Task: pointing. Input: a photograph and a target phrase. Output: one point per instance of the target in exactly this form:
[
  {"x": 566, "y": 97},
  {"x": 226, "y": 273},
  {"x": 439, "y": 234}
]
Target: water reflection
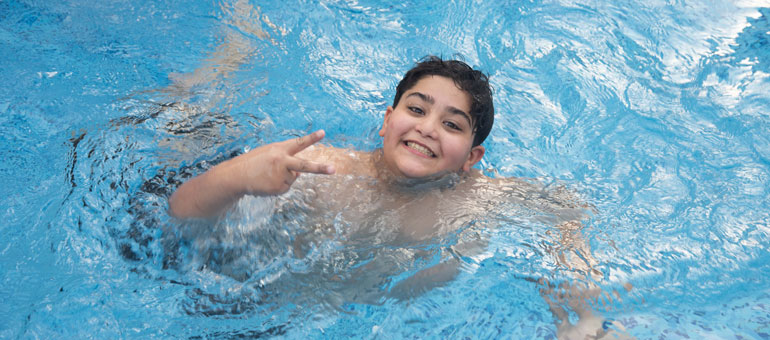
[{"x": 648, "y": 145}]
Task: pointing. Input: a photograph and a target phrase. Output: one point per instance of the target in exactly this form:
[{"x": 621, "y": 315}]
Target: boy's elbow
[
  {"x": 173, "y": 207},
  {"x": 177, "y": 208}
]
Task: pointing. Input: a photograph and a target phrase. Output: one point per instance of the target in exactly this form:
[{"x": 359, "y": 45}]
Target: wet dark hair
[{"x": 475, "y": 83}]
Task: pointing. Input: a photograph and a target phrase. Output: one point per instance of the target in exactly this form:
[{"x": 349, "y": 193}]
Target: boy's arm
[
  {"x": 426, "y": 279},
  {"x": 268, "y": 170},
  {"x": 575, "y": 254},
  {"x": 572, "y": 252}
]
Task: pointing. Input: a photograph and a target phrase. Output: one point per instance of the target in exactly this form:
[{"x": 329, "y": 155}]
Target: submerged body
[
  {"x": 370, "y": 237},
  {"x": 362, "y": 226}
]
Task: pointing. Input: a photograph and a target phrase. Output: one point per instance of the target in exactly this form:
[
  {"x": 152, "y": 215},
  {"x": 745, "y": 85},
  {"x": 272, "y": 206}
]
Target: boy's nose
[{"x": 427, "y": 128}]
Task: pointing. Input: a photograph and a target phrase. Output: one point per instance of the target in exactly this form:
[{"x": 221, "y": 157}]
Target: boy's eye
[
  {"x": 416, "y": 110},
  {"x": 452, "y": 126}
]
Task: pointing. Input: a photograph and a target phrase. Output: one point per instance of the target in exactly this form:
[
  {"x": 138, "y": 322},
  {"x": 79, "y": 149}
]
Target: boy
[{"x": 432, "y": 136}]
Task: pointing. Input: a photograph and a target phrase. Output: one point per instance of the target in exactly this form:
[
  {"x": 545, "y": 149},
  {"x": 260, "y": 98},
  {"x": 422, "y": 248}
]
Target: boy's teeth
[{"x": 420, "y": 148}]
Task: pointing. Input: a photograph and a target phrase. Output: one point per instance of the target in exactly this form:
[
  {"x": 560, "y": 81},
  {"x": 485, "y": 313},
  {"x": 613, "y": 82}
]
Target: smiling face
[{"x": 430, "y": 132}]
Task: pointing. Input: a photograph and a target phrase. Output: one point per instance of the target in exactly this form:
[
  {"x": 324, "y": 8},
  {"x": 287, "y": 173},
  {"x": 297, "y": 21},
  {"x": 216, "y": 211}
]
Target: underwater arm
[
  {"x": 574, "y": 253},
  {"x": 265, "y": 171},
  {"x": 571, "y": 251},
  {"x": 443, "y": 272},
  {"x": 426, "y": 279}
]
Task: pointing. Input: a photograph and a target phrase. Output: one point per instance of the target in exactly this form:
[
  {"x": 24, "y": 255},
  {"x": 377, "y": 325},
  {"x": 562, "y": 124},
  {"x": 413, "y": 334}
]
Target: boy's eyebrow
[{"x": 452, "y": 109}]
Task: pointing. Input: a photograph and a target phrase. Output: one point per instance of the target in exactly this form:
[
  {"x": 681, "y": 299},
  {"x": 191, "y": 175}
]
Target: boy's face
[{"x": 430, "y": 131}]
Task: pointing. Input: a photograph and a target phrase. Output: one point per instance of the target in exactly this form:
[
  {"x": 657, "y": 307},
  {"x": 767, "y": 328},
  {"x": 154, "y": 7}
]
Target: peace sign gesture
[
  {"x": 267, "y": 170},
  {"x": 272, "y": 169}
]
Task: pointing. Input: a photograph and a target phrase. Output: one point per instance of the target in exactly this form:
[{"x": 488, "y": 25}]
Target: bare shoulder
[
  {"x": 547, "y": 196},
  {"x": 345, "y": 161},
  {"x": 477, "y": 179}
]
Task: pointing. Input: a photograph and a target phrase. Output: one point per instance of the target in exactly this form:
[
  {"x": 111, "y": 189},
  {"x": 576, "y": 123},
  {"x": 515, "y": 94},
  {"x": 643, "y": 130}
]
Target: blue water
[{"x": 655, "y": 112}]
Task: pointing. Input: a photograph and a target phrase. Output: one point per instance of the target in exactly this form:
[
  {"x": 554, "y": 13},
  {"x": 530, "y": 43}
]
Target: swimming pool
[{"x": 657, "y": 113}]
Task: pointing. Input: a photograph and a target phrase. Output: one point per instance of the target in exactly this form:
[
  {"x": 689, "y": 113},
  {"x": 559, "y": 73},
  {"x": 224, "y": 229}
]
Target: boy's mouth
[{"x": 420, "y": 148}]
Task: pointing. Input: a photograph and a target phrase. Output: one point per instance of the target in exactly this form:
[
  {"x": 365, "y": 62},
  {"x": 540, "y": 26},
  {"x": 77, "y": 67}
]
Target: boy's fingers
[
  {"x": 301, "y": 143},
  {"x": 301, "y": 165}
]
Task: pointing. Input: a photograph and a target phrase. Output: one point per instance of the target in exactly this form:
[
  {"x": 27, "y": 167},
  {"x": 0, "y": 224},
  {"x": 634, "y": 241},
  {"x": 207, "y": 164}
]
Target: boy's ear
[
  {"x": 474, "y": 157},
  {"x": 388, "y": 111}
]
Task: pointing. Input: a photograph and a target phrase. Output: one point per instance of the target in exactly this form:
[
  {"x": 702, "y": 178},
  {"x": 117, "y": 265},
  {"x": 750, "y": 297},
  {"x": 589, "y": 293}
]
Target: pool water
[{"x": 656, "y": 113}]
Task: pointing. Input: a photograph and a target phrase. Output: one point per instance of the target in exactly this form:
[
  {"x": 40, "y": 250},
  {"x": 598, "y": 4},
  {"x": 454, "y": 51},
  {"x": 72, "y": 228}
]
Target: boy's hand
[
  {"x": 272, "y": 169},
  {"x": 267, "y": 170}
]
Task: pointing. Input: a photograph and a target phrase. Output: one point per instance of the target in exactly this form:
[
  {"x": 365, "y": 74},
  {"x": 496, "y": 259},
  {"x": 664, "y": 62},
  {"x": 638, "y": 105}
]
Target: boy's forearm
[{"x": 205, "y": 195}]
